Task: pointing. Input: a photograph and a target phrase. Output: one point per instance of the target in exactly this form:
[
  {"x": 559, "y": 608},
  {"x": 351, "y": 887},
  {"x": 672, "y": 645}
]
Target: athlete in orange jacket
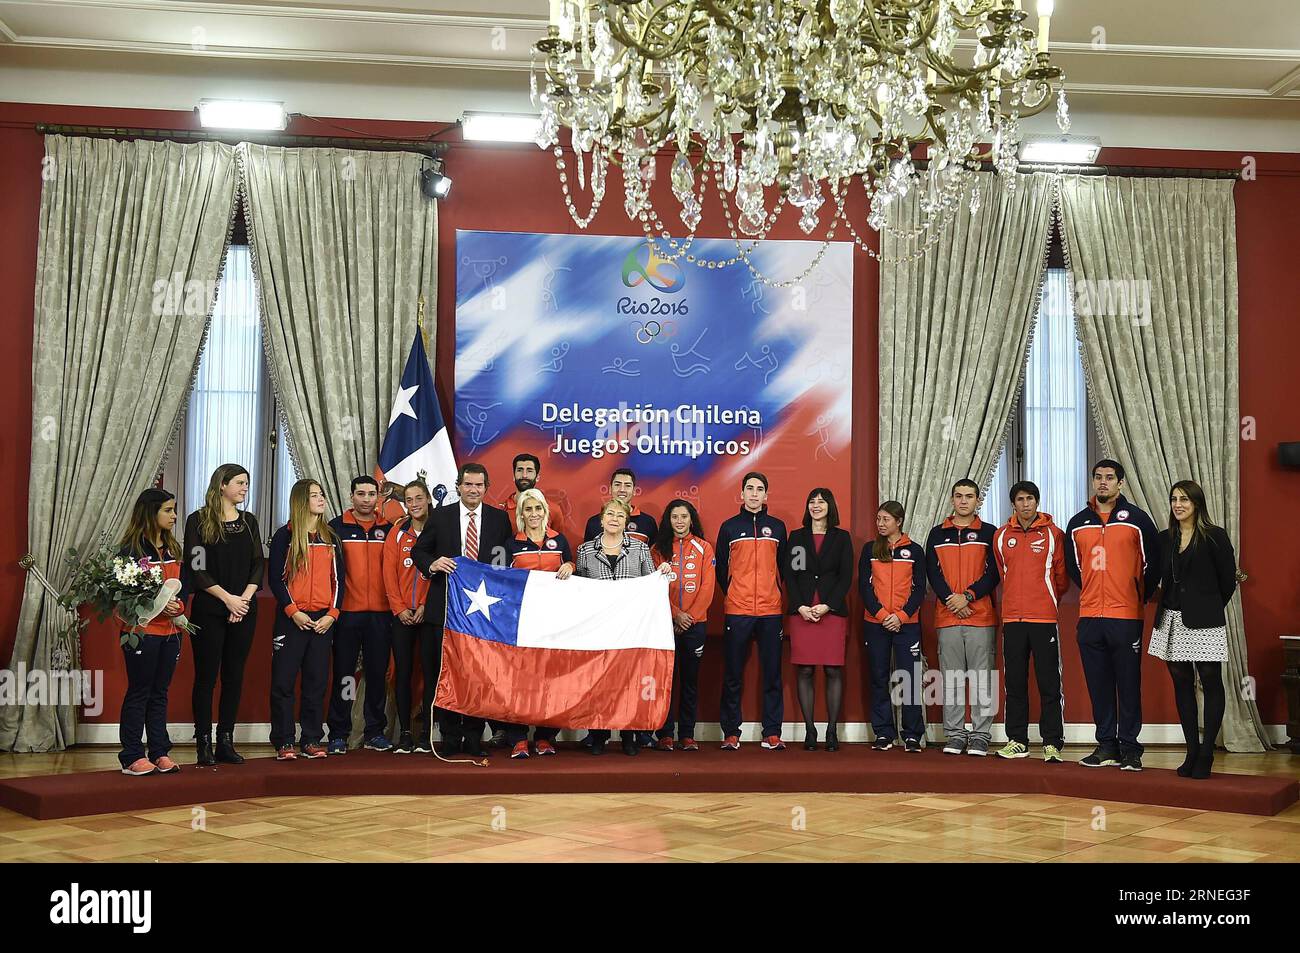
[
  {"x": 1030, "y": 551},
  {"x": 1113, "y": 557},
  {"x": 681, "y": 543},
  {"x": 749, "y": 554},
  {"x": 408, "y": 590},
  {"x": 366, "y": 626},
  {"x": 963, "y": 574}
]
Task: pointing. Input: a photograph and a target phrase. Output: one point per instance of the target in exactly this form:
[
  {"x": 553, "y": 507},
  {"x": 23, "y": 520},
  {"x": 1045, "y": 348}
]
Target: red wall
[{"x": 515, "y": 188}]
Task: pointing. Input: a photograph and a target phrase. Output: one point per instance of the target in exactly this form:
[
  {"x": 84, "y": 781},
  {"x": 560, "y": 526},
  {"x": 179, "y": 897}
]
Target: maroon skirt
[{"x": 817, "y": 643}]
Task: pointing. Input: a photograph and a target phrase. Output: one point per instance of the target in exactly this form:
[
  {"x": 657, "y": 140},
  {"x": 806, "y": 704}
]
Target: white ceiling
[{"x": 1209, "y": 74}]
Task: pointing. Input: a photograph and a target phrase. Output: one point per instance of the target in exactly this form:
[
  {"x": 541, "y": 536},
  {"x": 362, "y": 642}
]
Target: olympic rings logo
[{"x": 648, "y": 332}]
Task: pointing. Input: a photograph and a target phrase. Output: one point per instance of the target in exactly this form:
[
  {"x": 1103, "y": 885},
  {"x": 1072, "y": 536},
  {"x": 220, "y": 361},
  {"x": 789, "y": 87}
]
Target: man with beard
[
  {"x": 1113, "y": 557},
  {"x": 527, "y": 470}
]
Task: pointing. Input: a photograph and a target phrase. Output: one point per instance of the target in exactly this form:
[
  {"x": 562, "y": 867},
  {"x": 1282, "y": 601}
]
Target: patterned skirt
[{"x": 1174, "y": 642}]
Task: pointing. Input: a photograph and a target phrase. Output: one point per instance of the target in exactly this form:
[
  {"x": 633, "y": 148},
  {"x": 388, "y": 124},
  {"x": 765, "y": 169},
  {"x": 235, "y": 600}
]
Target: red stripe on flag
[{"x": 556, "y": 688}]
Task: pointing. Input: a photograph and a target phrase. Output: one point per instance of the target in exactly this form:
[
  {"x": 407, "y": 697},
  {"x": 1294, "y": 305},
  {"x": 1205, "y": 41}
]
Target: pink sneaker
[
  {"x": 140, "y": 767},
  {"x": 167, "y": 766}
]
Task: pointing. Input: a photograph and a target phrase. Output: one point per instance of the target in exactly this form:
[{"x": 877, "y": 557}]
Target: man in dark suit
[{"x": 468, "y": 528}]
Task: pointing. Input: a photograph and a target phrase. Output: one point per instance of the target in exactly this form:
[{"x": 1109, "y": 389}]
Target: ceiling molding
[
  {"x": 1194, "y": 52},
  {"x": 265, "y": 53},
  {"x": 351, "y": 14},
  {"x": 1191, "y": 92}
]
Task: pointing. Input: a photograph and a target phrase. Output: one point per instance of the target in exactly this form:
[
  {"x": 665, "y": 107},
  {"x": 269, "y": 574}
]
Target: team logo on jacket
[
  {"x": 550, "y": 544},
  {"x": 1011, "y": 543},
  {"x": 407, "y": 562},
  {"x": 767, "y": 531},
  {"x": 379, "y": 534},
  {"x": 688, "y": 586},
  {"x": 972, "y": 535},
  {"x": 690, "y": 565},
  {"x": 1122, "y": 515},
  {"x": 1037, "y": 545},
  {"x": 904, "y": 553}
]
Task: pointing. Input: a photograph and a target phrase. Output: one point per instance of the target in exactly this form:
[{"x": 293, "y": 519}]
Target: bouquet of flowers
[{"x": 111, "y": 584}]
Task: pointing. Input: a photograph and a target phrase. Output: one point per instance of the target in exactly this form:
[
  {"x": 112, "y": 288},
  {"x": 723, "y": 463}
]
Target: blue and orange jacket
[
  {"x": 749, "y": 556},
  {"x": 549, "y": 556},
  {"x": 1114, "y": 560},
  {"x": 363, "y": 552},
  {"x": 693, "y": 561},
  {"x": 960, "y": 559},
  {"x": 895, "y": 587},
  {"x": 171, "y": 569},
  {"x": 641, "y": 526},
  {"x": 1032, "y": 563},
  {"x": 404, "y": 584},
  {"x": 317, "y": 587}
]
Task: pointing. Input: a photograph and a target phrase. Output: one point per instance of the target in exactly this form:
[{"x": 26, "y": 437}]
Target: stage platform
[{"x": 853, "y": 769}]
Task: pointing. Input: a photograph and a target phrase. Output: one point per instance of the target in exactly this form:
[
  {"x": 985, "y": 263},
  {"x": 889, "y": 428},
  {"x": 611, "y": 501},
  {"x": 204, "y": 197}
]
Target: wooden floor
[{"x": 659, "y": 827}]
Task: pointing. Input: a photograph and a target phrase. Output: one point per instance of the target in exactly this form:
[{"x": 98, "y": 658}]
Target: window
[
  {"x": 232, "y": 415},
  {"x": 1051, "y": 441}
]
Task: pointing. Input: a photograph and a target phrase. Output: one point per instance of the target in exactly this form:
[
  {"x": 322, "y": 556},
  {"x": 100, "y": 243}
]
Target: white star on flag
[
  {"x": 402, "y": 405},
  {"x": 480, "y": 601}
]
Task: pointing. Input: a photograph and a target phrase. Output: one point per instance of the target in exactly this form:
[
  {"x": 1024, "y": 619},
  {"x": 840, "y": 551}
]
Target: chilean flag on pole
[
  {"x": 416, "y": 444},
  {"x": 522, "y": 646}
]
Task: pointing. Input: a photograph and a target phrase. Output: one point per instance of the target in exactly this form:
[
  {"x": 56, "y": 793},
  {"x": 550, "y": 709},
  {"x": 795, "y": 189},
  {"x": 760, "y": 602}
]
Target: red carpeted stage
[{"x": 854, "y": 769}]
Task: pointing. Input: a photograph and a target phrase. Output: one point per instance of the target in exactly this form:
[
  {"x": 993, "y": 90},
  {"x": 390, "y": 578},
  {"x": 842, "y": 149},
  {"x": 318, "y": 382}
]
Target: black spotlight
[{"x": 434, "y": 183}]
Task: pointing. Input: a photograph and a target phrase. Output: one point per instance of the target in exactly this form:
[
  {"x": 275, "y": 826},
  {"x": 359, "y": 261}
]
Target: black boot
[
  {"x": 1201, "y": 770},
  {"x": 226, "y": 752},
  {"x": 203, "y": 750},
  {"x": 832, "y": 738}
]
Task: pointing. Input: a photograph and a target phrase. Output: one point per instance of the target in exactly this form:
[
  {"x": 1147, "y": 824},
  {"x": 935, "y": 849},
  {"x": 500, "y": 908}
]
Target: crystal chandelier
[{"x": 786, "y": 102}]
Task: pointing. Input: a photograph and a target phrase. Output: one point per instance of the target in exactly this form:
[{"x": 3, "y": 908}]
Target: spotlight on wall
[
  {"x": 1065, "y": 150},
  {"x": 434, "y": 184},
  {"x": 499, "y": 127},
  {"x": 241, "y": 114}
]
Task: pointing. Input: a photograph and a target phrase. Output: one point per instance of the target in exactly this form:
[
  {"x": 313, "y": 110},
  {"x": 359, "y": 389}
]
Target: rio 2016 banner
[{"x": 597, "y": 352}]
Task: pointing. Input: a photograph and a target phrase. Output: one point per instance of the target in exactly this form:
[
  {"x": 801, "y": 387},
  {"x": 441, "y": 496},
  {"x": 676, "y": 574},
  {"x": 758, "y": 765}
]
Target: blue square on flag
[{"x": 484, "y": 601}]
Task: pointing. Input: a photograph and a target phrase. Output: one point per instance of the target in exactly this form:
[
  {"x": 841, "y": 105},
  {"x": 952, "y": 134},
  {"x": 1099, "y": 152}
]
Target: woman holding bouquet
[
  {"x": 223, "y": 566},
  {"x": 306, "y": 576},
  {"x": 150, "y": 663}
]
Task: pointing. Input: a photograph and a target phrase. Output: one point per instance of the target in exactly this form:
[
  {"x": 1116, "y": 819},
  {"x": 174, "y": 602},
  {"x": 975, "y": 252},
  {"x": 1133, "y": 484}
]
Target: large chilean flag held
[{"x": 522, "y": 646}]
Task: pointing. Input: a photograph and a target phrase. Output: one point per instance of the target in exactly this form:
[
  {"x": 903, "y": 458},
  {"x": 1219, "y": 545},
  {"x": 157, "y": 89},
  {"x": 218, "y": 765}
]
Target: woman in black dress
[
  {"x": 1198, "y": 577},
  {"x": 223, "y": 563}
]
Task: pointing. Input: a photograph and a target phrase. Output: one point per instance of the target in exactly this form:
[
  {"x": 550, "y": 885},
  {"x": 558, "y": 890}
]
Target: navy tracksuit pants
[
  {"x": 297, "y": 651},
  {"x": 1111, "y": 652},
  {"x": 905, "y": 647},
  {"x": 740, "y": 632},
  {"x": 149, "y": 670},
  {"x": 686, "y": 681},
  {"x": 371, "y": 634}
]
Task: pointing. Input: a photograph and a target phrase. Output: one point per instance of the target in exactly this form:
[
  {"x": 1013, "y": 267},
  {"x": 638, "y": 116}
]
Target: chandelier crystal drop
[{"x": 785, "y": 102}]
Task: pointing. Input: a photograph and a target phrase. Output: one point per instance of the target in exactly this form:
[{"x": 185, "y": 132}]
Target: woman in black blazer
[
  {"x": 1198, "y": 577},
  {"x": 818, "y": 569}
]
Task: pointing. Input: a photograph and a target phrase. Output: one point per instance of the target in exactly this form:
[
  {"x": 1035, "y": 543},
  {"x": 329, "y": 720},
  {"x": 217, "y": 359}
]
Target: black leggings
[
  {"x": 807, "y": 691},
  {"x": 404, "y": 638},
  {"x": 220, "y": 649},
  {"x": 1211, "y": 674}
]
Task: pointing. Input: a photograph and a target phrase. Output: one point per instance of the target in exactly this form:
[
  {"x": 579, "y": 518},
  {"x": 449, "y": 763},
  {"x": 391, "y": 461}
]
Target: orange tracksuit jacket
[
  {"x": 363, "y": 553},
  {"x": 318, "y": 586},
  {"x": 404, "y": 585},
  {"x": 1114, "y": 560},
  {"x": 960, "y": 559},
  {"x": 1032, "y": 563},
  {"x": 749, "y": 555},
  {"x": 171, "y": 569},
  {"x": 893, "y": 587},
  {"x": 693, "y": 561}
]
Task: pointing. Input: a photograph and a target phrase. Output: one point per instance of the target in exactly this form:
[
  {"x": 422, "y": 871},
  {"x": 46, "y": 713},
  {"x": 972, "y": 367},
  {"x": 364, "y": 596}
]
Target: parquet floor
[{"x": 730, "y": 828}]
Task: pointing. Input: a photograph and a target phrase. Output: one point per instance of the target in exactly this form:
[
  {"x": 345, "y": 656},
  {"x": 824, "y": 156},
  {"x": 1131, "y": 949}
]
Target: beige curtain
[
  {"x": 132, "y": 239},
  {"x": 344, "y": 243},
  {"x": 954, "y": 336},
  {"x": 1153, "y": 264}
]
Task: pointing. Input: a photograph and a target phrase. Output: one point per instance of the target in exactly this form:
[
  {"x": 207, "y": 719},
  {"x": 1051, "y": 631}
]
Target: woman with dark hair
[
  {"x": 891, "y": 581},
  {"x": 680, "y": 542},
  {"x": 818, "y": 568},
  {"x": 223, "y": 565},
  {"x": 1198, "y": 577},
  {"x": 151, "y": 663}
]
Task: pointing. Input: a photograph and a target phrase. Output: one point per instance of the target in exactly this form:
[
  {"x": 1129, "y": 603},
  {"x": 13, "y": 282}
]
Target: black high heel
[
  {"x": 810, "y": 738},
  {"x": 832, "y": 740}
]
